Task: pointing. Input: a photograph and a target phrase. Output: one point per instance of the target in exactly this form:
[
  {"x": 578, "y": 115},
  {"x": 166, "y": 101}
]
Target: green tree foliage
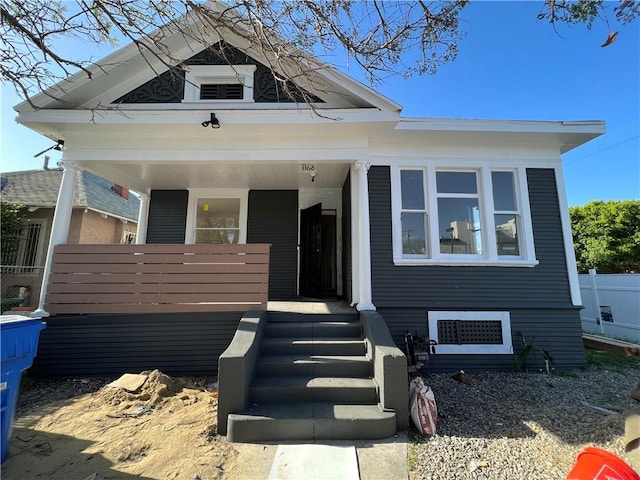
[
  {"x": 606, "y": 236},
  {"x": 12, "y": 222}
]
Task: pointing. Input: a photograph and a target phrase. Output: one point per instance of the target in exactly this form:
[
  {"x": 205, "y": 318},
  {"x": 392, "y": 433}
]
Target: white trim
[
  {"x": 143, "y": 218},
  {"x": 355, "y": 240},
  {"x": 187, "y": 114},
  {"x": 504, "y": 317},
  {"x": 477, "y": 125},
  {"x": 192, "y": 205},
  {"x": 363, "y": 247},
  {"x": 465, "y": 262},
  {"x": 60, "y": 225},
  {"x": 567, "y": 237},
  {"x": 197, "y": 75},
  {"x": 106, "y": 214}
]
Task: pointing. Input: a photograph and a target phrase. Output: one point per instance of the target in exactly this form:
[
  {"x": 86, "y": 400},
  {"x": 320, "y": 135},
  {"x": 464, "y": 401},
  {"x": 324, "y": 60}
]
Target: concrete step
[
  {"x": 314, "y": 365},
  {"x": 306, "y": 388},
  {"x": 313, "y": 346},
  {"x": 329, "y": 328},
  {"x": 288, "y": 317},
  {"x": 310, "y": 421}
]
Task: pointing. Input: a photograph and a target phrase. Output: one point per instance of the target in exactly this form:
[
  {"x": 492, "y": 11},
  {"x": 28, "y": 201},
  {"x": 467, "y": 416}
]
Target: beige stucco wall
[
  {"x": 75, "y": 226},
  {"x": 97, "y": 229}
]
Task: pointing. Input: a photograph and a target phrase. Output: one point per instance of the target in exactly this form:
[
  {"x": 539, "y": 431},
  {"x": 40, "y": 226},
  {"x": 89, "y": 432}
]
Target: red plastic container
[{"x": 596, "y": 464}]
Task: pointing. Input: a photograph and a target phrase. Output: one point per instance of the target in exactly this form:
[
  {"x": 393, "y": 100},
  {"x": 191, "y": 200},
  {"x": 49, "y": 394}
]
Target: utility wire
[{"x": 601, "y": 150}]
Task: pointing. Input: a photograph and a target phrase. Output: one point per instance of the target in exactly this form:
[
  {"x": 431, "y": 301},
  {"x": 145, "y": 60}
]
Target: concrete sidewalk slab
[
  {"x": 377, "y": 459},
  {"x": 310, "y": 461}
]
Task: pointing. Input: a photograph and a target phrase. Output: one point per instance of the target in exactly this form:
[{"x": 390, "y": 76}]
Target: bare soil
[{"x": 81, "y": 429}]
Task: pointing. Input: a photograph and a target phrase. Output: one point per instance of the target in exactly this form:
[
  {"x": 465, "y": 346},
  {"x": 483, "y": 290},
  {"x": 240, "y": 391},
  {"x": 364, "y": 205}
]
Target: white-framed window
[
  {"x": 458, "y": 211},
  {"x": 471, "y": 332},
  {"x": 413, "y": 214},
  {"x": 217, "y": 216},
  {"x": 506, "y": 213},
  {"x": 219, "y": 83},
  {"x": 461, "y": 216}
]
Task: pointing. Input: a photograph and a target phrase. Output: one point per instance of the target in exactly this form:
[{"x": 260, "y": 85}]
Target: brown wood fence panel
[{"x": 88, "y": 279}]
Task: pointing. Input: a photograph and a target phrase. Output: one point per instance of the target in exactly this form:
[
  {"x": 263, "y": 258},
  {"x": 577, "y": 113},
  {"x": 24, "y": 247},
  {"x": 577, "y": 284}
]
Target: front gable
[
  {"x": 170, "y": 86},
  {"x": 131, "y": 77}
]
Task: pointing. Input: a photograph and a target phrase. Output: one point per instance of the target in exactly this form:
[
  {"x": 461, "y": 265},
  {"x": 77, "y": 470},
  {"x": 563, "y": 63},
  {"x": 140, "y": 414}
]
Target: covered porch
[{"x": 313, "y": 216}]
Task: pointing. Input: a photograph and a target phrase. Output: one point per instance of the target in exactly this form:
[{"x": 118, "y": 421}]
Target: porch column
[
  {"x": 59, "y": 228},
  {"x": 363, "y": 245},
  {"x": 143, "y": 217}
]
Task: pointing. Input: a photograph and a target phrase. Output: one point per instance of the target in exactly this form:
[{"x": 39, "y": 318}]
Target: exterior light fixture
[
  {"x": 213, "y": 121},
  {"x": 58, "y": 147}
]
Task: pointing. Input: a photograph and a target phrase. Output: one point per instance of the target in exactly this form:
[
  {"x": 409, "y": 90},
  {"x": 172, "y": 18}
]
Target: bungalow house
[
  {"x": 453, "y": 229},
  {"x": 102, "y": 213}
]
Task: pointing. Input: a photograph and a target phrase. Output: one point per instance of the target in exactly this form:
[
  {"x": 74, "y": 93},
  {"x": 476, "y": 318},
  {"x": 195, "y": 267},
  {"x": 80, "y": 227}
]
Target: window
[
  {"x": 459, "y": 226},
  {"x": 28, "y": 256},
  {"x": 459, "y": 216},
  {"x": 216, "y": 83},
  {"x": 471, "y": 332},
  {"x": 217, "y": 216},
  {"x": 128, "y": 238},
  {"x": 414, "y": 214},
  {"x": 217, "y": 220},
  {"x": 506, "y": 213}
]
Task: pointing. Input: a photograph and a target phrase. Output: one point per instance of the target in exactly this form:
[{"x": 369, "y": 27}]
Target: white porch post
[
  {"x": 59, "y": 228},
  {"x": 143, "y": 217},
  {"x": 363, "y": 243}
]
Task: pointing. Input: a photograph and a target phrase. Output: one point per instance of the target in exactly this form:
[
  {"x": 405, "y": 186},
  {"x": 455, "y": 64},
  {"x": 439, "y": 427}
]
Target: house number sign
[{"x": 307, "y": 168}]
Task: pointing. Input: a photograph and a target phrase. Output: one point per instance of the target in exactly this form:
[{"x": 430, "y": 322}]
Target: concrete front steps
[{"x": 313, "y": 381}]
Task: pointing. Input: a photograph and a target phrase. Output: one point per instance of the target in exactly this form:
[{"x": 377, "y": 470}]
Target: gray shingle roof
[{"x": 39, "y": 188}]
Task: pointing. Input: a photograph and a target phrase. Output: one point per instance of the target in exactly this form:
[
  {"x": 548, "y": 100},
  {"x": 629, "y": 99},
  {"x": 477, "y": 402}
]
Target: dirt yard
[{"x": 70, "y": 429}]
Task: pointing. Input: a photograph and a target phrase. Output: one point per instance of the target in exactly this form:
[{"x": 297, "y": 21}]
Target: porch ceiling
[{"x": 144, "y": 176}]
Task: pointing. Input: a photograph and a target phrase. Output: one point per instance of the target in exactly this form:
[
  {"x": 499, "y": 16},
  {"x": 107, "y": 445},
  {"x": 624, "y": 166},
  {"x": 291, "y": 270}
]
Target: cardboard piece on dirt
[{"x": 131, "y": 382}]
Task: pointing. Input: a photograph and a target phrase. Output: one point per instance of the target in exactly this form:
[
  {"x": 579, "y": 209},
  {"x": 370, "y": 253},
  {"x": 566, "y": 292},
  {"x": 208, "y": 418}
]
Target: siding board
[
  {"x": 538, "y": 298},
  {"x": 184, "y": 344},
  {"x": 273, "y": 218}
]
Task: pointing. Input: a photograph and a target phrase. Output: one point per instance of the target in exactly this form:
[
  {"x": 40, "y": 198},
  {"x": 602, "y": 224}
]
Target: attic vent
[
  {"x": 465, "y": 332},
  {"x": 221, "y": 91}
]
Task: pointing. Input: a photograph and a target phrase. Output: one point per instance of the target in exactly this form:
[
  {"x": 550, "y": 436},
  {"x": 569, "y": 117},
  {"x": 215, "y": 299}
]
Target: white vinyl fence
[{"x": 611, "y": 304}]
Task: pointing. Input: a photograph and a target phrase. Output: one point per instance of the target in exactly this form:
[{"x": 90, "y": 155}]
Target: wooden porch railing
[{"x": 88, "y": 279}]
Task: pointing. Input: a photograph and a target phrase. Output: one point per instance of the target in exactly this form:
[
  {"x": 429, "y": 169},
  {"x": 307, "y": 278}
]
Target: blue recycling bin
[{"x": 18, "y": 345}]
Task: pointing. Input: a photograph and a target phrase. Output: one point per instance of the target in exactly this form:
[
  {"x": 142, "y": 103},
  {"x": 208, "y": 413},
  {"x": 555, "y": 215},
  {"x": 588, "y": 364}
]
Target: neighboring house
[
  {"x": 102, "y": 213},
  {"x": 455, "y": 229}
]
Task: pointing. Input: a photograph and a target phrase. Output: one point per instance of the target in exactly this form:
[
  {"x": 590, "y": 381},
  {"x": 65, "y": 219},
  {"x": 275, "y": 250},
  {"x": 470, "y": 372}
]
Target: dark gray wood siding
[
  {"x": 404, "y": 294},
  {"x": 346, "y": 240},
  {"x": 273, "y": 218},
  {"x": 555, "y": 330},
  {"x": 177, "y": 344},
  {"x": 167, "y": 216}
]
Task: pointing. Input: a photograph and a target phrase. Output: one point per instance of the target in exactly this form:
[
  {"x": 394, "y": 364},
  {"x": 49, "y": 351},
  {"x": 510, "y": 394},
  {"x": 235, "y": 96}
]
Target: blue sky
[{"x": 509, "y": 66}]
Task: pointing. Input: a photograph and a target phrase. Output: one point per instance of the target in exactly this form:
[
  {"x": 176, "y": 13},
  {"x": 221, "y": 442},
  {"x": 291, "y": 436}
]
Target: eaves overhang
[{"x": 567, "y": 135}]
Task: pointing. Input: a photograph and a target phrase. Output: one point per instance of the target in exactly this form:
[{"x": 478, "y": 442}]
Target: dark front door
[{"x": 310, "y": 250}]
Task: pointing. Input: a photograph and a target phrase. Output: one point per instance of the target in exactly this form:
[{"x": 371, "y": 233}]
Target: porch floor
[{"x": 304, "y": 305}]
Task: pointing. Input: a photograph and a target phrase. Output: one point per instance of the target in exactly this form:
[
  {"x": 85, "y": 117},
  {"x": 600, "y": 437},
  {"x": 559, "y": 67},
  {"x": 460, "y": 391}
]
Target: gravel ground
[{"x": 521, "y": 426}]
